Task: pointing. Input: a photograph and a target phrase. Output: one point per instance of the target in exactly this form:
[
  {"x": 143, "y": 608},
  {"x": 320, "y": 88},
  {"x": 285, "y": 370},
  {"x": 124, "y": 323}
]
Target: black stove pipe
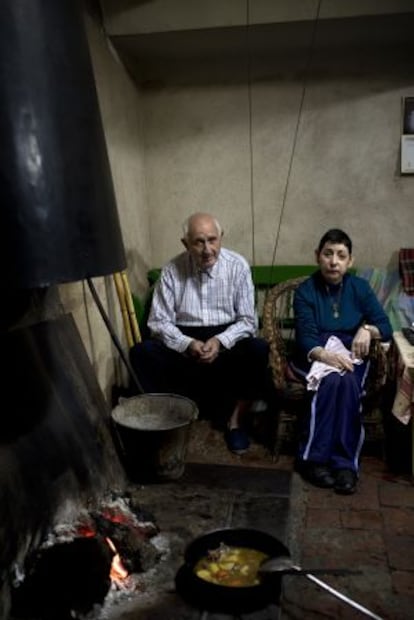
[{"x": 59, "y": 219}]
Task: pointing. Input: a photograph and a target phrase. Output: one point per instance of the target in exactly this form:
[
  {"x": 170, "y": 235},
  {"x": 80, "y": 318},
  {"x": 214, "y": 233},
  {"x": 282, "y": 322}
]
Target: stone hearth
[{"x": 207, "y": 497}]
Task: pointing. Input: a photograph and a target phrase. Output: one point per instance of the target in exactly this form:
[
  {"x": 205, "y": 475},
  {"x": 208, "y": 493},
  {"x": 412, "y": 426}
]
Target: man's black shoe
[
  {"x": 319, "y": 476},
  {"x": 345, "y": 482}
]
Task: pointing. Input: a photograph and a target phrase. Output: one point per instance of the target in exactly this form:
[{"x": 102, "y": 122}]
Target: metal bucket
[{"x": 153, "y": 432}]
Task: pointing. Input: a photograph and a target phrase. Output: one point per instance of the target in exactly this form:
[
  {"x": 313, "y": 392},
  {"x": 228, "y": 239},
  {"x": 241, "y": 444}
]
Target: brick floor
[
  {"x": 403, "y": 582},
  {"x": 371, "y": 531},
  {"x": 398, "y": 521},
  {"x": 394, "y": 494},
  {"x": 371, "y": 520},
  {"x": 321, "y": 518},
  {"x": 400, "y": 550}
]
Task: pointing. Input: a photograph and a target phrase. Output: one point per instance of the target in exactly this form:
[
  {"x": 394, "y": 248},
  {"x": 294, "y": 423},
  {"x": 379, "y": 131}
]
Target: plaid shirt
[
  {"x": 406, "y": 257},
  {"x": 184, "y": 295}
]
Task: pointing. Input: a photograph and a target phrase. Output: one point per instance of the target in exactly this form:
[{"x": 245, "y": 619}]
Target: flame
[{"x": 118, "y": 570}]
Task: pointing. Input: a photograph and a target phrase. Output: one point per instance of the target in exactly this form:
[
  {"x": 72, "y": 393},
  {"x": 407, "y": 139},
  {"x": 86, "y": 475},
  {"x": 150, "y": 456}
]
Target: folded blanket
[
  {"x": 319, "y": 370},
  {"x": 406, "y": 262},
  {"x": 404, "y": 399},
  {"x": 387, "y": 285}
]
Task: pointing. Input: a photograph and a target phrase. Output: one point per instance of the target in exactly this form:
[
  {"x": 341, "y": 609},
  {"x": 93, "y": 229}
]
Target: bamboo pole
[
  {"x": 131, "y": 308},
  {"x": 122, "y": 302},
  {"x": 114, "y": 337}
]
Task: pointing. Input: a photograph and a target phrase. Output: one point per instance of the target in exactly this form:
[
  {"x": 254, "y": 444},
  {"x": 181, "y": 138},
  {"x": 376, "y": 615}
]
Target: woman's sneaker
[{"x": 345, "y": 481}]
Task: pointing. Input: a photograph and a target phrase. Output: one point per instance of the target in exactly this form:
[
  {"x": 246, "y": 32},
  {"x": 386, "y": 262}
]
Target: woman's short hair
[{"x": 335, "y": 235}]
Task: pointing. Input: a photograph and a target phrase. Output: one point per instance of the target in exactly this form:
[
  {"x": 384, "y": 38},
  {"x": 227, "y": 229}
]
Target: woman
[{"x": 336, "y": 316}]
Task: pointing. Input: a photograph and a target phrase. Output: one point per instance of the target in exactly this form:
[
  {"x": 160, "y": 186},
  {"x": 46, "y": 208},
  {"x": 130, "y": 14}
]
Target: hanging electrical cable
[
  {"x": 250, "y": 125},
  {"x": 296, "y": 132}
]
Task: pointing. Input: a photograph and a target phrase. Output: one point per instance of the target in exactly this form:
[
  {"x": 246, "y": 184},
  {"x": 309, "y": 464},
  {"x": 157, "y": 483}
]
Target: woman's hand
[
  {"x": 341, "y": 362},
  {"x": 361, "y": 343}
]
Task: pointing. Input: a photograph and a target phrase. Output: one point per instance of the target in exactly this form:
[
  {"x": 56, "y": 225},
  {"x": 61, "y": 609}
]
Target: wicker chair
[{"x": 291, "y": 395}]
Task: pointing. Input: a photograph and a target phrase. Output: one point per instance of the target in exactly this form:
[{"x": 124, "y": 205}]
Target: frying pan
[
  {"x": 215, "y": 598},
  {"x": 236, "y": 600}
]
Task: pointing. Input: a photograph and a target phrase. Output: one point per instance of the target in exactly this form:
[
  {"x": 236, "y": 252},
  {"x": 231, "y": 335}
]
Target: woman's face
[{"x": 334, "y": 260}]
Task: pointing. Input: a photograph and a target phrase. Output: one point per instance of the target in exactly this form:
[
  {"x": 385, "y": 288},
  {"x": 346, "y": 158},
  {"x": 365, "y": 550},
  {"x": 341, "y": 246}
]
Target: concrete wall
[
  {"x": 120, "y": 104},
  {"x": 304, "y": 145},
  {"x": 344, "y": 169},
  {"x": 133, "y": 16},
  {"x": 281, "y": 124},
  {"x": 280, "y": 146}
]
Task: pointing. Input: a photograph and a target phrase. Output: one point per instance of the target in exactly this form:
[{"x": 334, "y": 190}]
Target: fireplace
[
  {"x": 58, "y": 464},
  {"x": 56, "y": 450},
  {"x": 87, "y": 563},
  {"x": 60, "y": 224}
]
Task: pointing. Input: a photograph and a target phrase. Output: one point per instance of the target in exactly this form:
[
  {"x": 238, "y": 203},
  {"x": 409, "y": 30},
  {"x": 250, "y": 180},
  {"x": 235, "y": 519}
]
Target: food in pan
[{"x": 231, "y": 566}]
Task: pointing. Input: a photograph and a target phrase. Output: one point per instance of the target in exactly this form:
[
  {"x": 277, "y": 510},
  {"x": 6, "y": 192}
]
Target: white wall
[
  {"x": 133, "y": 16},
  {"x": 341, "y": 169},
  {"x": 202, "y": 136},
  {"x": 120, "y": 105}
]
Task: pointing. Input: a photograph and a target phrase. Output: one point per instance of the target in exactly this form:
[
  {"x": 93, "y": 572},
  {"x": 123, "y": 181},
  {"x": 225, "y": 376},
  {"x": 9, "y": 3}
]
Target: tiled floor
[{"x": 371, "y": 532}]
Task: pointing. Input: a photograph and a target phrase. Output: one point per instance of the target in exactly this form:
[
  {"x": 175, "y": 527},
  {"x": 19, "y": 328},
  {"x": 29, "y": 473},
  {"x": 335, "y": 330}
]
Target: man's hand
[
  {"x": 195, "y": 348},
  {"x": 204, "y": 352},
  {"x": 210, "y": 350}
]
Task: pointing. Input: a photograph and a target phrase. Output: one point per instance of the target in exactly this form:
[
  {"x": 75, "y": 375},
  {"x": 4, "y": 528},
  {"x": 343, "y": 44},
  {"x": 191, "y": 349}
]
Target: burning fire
[{"x": 118, "y": 570}]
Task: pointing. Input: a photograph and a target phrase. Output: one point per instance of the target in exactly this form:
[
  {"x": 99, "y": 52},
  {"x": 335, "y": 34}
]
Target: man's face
[
  {"x": 334, "y": 261},
  {"x": 203, "y": 242}
]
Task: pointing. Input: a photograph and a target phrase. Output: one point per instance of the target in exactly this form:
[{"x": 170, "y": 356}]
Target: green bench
[{"x": 264, "y": 277}]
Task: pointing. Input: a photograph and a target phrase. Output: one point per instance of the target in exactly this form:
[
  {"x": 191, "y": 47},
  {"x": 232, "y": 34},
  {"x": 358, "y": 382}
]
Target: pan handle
[{"x": 342, "y": 597}]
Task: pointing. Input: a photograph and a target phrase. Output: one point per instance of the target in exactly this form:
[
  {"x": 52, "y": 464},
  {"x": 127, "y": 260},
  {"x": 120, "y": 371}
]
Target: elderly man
[{"x": 203, "y": 325}]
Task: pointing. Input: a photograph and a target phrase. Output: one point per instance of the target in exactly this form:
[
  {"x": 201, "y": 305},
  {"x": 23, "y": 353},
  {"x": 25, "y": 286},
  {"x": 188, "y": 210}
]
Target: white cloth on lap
[{"x": 319, "y": 370}]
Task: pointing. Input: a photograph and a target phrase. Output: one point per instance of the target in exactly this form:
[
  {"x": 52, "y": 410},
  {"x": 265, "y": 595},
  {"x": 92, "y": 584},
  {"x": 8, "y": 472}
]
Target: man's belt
[{"x": 203, "y": 332}]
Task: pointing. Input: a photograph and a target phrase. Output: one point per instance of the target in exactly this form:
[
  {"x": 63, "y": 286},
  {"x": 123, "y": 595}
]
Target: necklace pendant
[{"x": 335, "y": 302}]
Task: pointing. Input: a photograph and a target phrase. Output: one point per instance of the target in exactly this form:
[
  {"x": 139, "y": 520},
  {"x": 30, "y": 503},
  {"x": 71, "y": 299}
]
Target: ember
[{"x": 79, "y": 563}]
